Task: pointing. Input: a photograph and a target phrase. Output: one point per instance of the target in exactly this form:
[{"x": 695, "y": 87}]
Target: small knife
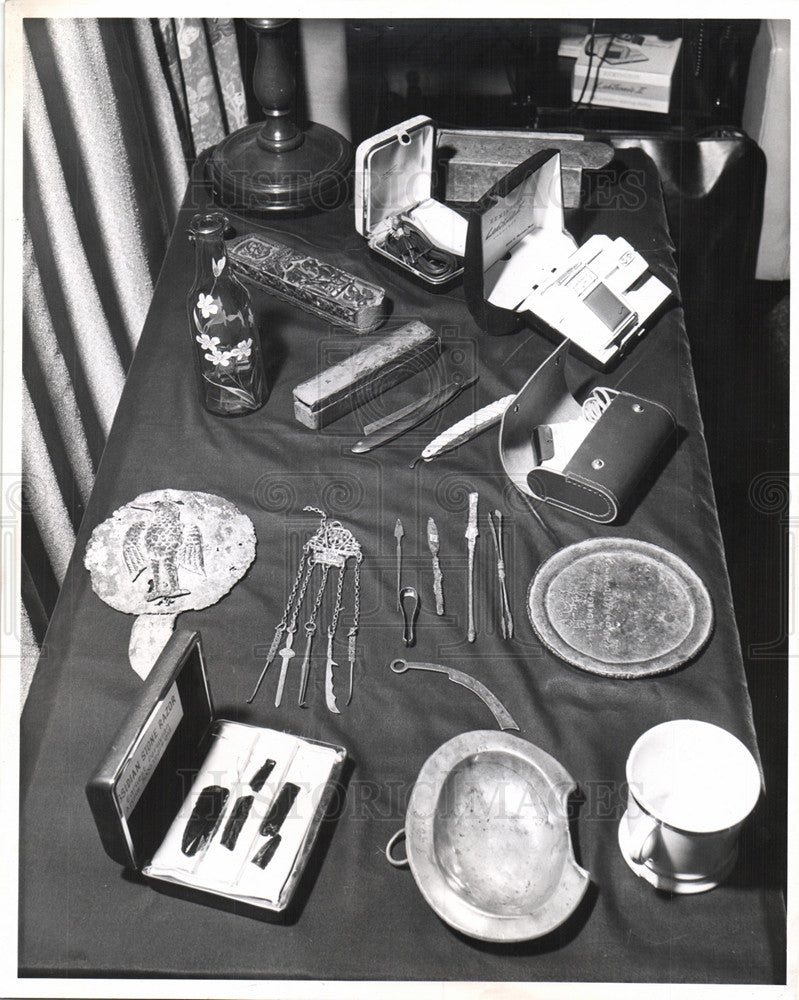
[
  {"x": 410, "y": 416},
  {"x": 465, "y": 429},
  {"x": 471, "y": 539},
  {"x": 433, "y": 545}
]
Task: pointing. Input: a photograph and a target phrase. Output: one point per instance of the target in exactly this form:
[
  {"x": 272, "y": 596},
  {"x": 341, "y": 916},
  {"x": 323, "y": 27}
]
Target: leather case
[{"x": 599, "y": 478}]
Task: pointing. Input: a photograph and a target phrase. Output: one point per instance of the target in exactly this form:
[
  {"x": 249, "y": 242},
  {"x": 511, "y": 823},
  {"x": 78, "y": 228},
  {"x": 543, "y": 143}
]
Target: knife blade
[
  {"x": 434, "y": 546},
  {"x": 408, "y": 417}
]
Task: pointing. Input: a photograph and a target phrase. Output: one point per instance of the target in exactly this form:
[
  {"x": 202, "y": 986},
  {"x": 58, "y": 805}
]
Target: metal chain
[
  {"x": 356, "y": 613},
  {"x": 305, "y": 550},
  {"x": 321, "y": 513},
  {"x": 337, "y": 610},
  {"x": 310, "y": 625},
  {"x": 300, "y": 597},
  {"x": 292, "y": 595}
]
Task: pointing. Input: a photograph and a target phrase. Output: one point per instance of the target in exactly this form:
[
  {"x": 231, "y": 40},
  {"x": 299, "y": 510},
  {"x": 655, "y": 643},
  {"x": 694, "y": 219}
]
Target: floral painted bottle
[{"x": 228, "y": 358}]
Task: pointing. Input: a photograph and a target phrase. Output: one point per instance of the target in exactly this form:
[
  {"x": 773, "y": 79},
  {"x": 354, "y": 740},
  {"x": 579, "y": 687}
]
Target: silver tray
[
  {"x": 488, "y": 840},
  {"x": 620, "y": 607}
]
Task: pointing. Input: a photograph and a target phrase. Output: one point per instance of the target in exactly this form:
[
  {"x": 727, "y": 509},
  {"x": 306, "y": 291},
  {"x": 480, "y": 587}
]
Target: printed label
[{"x": 148, "y": 750}]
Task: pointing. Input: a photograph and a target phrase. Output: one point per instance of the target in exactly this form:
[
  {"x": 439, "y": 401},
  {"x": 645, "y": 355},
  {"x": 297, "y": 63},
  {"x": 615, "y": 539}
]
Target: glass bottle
[{"x": 227, "y": 349}]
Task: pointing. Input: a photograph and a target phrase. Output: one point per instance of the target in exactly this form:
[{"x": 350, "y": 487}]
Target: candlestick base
[{"x": 312, "y": 177}]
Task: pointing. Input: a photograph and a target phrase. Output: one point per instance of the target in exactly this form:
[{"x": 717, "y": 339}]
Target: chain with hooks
[{"x": 330, "y": 545}]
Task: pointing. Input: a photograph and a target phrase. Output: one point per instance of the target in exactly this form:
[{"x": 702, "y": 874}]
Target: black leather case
[{"x": 600, "y": 477}]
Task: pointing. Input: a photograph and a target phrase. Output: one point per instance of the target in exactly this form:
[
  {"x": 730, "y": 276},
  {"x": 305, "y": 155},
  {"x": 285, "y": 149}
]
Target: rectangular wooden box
[{"x": 365, "y": 374}]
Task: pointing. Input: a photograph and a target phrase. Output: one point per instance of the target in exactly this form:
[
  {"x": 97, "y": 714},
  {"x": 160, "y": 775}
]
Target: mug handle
[
  {"x": 642, "y": 840},
  {"x": 390, "y": 856}
]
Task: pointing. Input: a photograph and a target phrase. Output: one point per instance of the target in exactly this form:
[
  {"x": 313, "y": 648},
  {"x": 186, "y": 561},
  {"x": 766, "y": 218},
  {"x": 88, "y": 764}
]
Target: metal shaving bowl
[{"x": 488, "y": 841}]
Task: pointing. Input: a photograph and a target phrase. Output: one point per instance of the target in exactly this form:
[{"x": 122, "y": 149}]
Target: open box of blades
[
  {"x": 395, "y": 207},
  {"x": 522, "y": 264},
  {"x": 229, "y": 809}
]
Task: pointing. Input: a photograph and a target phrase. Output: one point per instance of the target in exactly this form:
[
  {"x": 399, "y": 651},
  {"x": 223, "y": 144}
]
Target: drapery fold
[
  {"x": 110, "y": 128},
  {"x": 203, "y": 69},
  {"x": 115, "y": 112}
]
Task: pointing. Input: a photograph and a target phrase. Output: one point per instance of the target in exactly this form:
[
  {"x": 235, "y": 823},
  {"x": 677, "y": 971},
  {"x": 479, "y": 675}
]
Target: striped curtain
[{"x": 115, "y": 110}]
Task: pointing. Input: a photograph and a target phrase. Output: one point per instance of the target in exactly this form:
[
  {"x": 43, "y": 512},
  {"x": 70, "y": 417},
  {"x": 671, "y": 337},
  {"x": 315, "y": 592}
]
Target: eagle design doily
[{"x": 165, "y": 552}]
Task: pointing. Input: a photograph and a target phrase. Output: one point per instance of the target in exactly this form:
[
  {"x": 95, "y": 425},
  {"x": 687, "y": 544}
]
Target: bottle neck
[{"x": 210, "y": 250}]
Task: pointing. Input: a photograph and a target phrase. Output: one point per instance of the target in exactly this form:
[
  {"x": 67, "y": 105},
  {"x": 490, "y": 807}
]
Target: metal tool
[
  {"x": 464, "y": 430},
  {"x": 306, "y": 663},
  {"x": 332, "y": 545},
  {"x": 433, "y": 545},
  {"x": 506, "y": 618},
  {"x": 330, "y": 697},
  {"x": 409, "y": 604},
  {"x": 269, "y": 657},
  {"x": 399, "y": 531},
  {"x": 391, "y": 418},
  {"x": 498, "y": 710},
  {"x": 286, "y": 654},
  {"x": 310, "y": 629},
  {"x": 471, "y": 538},
  {"x": 408, "y": 417}
]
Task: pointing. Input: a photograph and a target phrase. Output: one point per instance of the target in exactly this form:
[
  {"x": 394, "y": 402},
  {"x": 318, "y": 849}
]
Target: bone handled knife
[{"x": 464, "y": 430}]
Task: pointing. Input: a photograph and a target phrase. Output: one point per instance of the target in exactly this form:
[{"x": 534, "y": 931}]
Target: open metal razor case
[
  {"x": 522, "y": 264},
  {"x": 215, "y": 807},
  {"x": 396, "y": 211}
]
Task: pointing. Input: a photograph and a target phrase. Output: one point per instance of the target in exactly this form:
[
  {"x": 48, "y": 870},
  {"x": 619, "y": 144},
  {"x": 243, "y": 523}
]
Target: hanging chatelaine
[{"x": 332, "y": 546}]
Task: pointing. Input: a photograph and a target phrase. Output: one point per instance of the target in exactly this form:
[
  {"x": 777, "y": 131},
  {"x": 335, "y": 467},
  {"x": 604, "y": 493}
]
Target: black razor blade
[
  {"x": 280, "y": 809},
  {"x": 236, "y": 821},
  {"x": 204, "y": 818},
  {"x": 258, "y": 780},
  {"x": 267, "y": 850}
]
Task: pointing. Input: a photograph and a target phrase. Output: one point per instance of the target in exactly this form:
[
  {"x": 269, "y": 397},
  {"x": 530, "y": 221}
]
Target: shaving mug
[{"x": 690, "y": 786}]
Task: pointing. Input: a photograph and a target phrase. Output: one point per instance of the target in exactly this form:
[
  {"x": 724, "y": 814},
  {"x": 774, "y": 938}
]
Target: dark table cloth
[{"x": 357, "y": 917}]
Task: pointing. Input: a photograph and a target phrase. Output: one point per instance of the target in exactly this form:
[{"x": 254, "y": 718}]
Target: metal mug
[{"x": 690, "y": 786}]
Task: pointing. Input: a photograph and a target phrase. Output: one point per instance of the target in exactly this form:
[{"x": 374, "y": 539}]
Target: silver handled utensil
[
  {"x": 471, "y": 538},
  {"x": 506, "y": 618},
  {"x": 399, "y": 531}
]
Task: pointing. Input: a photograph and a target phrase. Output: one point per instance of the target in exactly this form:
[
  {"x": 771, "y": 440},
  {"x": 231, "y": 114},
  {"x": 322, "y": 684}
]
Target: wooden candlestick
[{"x": 276, "y": 166}]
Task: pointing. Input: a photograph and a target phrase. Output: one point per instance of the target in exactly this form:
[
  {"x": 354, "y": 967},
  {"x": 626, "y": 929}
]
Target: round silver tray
[
  {"x": 620, "y": 607},
  {"x": 488, "y": 840}
]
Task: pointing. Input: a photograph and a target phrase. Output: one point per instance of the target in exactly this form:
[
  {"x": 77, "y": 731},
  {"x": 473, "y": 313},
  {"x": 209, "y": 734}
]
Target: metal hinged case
[
  {"x": 394, "y": 173},
  {"x": 522, "y": 264},
  {"x": 170, "y": 747}
]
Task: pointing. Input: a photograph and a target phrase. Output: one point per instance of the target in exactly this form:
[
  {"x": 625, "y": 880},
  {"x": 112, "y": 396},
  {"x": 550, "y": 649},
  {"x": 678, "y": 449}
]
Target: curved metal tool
[
  {"x": 405, "y": 419},
  {"x": 409, "y": 604},
  {"x": 498, "y": 710}
]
